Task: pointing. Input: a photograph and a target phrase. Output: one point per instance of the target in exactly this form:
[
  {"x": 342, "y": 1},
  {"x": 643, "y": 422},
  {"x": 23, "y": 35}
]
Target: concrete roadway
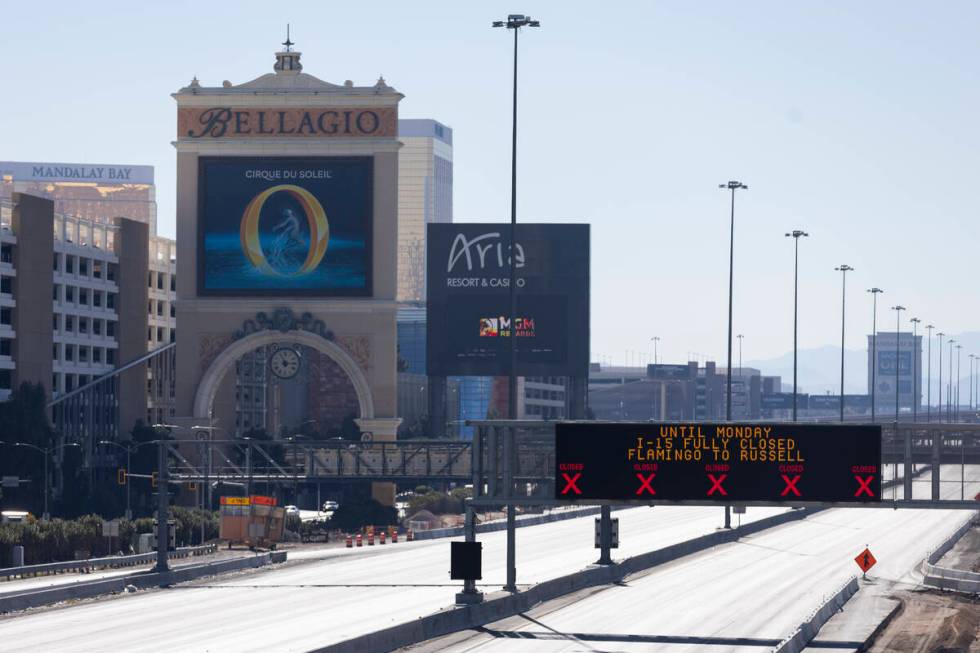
[
  {"x": 743, "y": 596},
  {"x": 348, "y": 593}
]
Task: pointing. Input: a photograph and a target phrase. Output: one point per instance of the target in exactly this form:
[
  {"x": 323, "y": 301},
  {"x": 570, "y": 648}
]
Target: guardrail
[{"x": 108, "y": 562}]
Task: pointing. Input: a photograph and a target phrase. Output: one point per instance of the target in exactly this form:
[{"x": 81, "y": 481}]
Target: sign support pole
[
  {"x": 509, "y": 459},
  {"x": 163, "y": 528},
  {"x": 469, "y": 594},
  {"x": 605, "y": 536},
  {"x": 907, "y": 481}
]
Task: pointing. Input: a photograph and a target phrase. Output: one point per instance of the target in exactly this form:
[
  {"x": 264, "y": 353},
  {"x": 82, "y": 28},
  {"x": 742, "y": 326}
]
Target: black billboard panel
[
  {"x": 715, "y": 462},
  {"x": 468, "y": 308}
]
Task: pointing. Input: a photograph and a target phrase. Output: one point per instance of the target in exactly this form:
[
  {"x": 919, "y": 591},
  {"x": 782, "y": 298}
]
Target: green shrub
[
  {"x": 439, "y": 503},
  {"x": 58, "y": 540}
]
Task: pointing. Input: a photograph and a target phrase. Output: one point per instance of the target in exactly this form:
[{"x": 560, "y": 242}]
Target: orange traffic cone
[
  {"x": 350, "y": 542},
  {"x": 370, "y": 538},
  {"x": 360, "y": 542},
  {"x": 381, "y": 537},
  {"x": 409, "y": 535},
  {"x": 394, "y": 537}
]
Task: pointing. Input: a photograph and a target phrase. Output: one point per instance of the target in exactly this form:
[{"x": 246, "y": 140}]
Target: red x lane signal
[
  {"x": 716, "y": 484},
  {"x": 790, "y": 485},
  {"x": 864, "y": 485},
  {"x": 645, "y": 484},
  {"x": 570, "y": 483}
]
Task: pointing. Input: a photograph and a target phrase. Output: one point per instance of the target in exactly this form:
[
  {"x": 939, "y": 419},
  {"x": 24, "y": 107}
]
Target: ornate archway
[{"x": 282, "y": 327}]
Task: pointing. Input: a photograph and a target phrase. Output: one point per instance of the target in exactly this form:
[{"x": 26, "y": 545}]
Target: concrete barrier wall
[
  {"x": 84, "y": 590},
  {"x": 958, "y": 580},
  {"x": 501, "y": 524},
  {"x": 109, "y": 562},
  {"x": 803, "y": 635},
  {"x": 951, "y": 541}
]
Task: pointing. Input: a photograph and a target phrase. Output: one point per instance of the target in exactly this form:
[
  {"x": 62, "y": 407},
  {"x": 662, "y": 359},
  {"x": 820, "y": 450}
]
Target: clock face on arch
[{"x": 285, "y": 363}]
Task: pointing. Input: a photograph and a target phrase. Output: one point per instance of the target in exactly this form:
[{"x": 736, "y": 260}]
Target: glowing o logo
[{"x": 316, "y": 219}]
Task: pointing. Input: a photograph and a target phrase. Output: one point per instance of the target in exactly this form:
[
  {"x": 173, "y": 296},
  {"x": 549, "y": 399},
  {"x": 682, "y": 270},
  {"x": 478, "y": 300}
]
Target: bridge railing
[{"x": 310, "y": 460}]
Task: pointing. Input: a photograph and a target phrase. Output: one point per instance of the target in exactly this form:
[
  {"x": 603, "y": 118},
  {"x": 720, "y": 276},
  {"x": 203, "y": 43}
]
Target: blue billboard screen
[{"x": 285, "y": 226}]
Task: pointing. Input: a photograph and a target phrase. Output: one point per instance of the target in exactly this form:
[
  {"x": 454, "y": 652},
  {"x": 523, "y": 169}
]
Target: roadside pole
[
  {"x": 605, "y": 536},
  {"x": 469, "y": 594},
  {"x": 163, "y": 528}
]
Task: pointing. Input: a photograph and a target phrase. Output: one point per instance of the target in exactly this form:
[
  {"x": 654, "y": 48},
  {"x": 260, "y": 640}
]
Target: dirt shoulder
[
  {"x": 932, "y": 622},
  {"x": 965, "y": 555}
]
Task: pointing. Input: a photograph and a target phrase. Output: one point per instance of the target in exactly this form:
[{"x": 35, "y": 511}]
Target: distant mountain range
[{"x": 818, "y": 369}]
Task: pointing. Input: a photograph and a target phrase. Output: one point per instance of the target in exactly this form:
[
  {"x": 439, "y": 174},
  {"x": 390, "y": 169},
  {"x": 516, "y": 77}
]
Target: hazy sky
[{"x": 856, "y": 121}]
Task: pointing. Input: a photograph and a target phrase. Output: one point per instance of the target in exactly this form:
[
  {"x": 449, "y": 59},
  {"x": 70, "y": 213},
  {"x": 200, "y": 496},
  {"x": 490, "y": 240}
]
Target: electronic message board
[
  {"x": 295, "y": 226},
  {"x": 718, "y": 462}
]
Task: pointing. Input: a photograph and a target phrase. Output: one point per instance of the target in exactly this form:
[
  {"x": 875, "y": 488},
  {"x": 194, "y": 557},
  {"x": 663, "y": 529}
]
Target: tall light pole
[
  {"x": 939, "y": 407},
  {"x": 656, "y": 340},
  {"x": 796, "y": 234},
  {"x": 740, "y": 337},
  {"x": 898, "y": 341},
  {"x": 976, "y": 359},
  {"x": 844, "y": 268},
  {"x": 514, "y": 22},
  {"x": 46, "y": 452},
  {"x": 956, "y": 410},
  {"x": 732, "y": 186},
  {"x": 972, "y": 357},
  {"x": 874, "y": 346},
  {"x": 949, "y": 390},
  {"x": 915, "y": 369},
  {"x": 929, "y": 328}
]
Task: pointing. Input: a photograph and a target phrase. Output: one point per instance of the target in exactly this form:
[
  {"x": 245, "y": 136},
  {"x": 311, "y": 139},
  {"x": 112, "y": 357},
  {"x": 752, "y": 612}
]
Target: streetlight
[
  {"x": 740, "y": 336},
  {"x": 874, "y": 345},
  {"x": 207, "y": 463},
  {"x": 293, "y": 438},
  {"x": 971, "y": 381},
  {"x": 915, "y": 370},
  {"x": 898, "y": 328},
  {"x": 929, "y": 328},
  {"x": 129, "y": 451},
  {"x": 949, "y": 390},
  {"x": 939, "y": 407},
  {"x": 514, "y": 22},
  {"x": 796, "y": 234},
  {"x": 732, "y": 186},
  {"x": 973, "y": 396},
  {"x": 956, "y": 413},
  {"x": 46, "y": 453},
  {"x": 656, "y": 340},
  {"x": 844, "y": 268}
]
